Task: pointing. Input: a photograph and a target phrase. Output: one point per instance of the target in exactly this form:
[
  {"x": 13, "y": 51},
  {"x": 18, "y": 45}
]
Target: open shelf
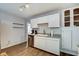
[
  {"x": 67, "y": 13},
  {"x": 18, "y": 24},
  {"x": 76, "y": 17},
  {"x": 67, "y": 16},
  {"x": 18, "y": 27},
  {"x": 76, "y": 23},
  {"x": 76, "y": 14},
  {"x": 76, "y": 11},
  {"x": 67, "y": 24},
  {"x": 76, "y": 20},
  {"x": 67, "y": 21}
]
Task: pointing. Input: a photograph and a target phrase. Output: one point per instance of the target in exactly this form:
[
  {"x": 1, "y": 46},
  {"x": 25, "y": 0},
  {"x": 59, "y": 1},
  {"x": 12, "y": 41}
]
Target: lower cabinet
[
  {"x": 70, "y": 40},
  {"x": 40, "y": 43},
  {"x": 75, "y": 39},
  {"x": 66, "y": 39},
  {"x": 51, "y": 45}
]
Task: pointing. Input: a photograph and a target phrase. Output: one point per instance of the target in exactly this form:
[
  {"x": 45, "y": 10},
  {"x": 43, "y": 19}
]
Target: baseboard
[
  {"x": 69, "y": 52},
  {"x": 13, "y": 45},
  {"x": 46, "y": 51}
]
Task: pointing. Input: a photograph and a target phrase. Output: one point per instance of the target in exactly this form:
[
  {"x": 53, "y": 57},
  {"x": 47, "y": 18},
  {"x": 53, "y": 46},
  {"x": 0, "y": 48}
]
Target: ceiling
[{"x": 34, "y": 9}]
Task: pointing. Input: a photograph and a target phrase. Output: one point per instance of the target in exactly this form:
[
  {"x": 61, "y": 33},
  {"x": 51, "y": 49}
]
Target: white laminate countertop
[
  {"x": 55, "y": 36},
  {"x": 46, "y": 36},
  {"x": 31, "y": 34}
]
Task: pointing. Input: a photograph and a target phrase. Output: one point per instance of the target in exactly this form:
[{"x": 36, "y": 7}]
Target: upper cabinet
[
  {"x": 54, "y": 20},
  {"x": 34, "y": 23},
  {"x": 71, "y": 17},
  {"x": 76, "y": 16},
  {"x": 42, "y": 20},
  {"x": 67, "y": 18}
]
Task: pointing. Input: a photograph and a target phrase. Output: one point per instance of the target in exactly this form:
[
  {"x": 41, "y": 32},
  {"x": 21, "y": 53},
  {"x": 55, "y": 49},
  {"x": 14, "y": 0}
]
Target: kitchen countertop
[
  {"x": 57, "y": 36},
  {"x": 31, "y": 34},
  {"x": 54, "y": 36},
  {"x": 50, "y": 38}
]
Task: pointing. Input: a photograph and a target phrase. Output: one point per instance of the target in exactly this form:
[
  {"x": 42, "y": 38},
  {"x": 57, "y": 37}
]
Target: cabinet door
[
  {"x": 52, "y": 46},
  {"x": 54, "y": 20},
  {"x": 66, "y": 39},
  {"x": 39, "y": 43},
  {"x": 34, "y": 23},
  {"x": 42, "y": 20},
  {"x": 75, "y": 39}
]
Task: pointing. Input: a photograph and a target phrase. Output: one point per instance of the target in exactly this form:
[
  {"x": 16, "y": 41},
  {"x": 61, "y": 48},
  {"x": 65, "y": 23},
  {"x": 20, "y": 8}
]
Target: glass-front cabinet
[
  {"x": 70, "y": 23},
  {"x": 67, "y": 18},
  {"x": 76, "y": 16},
  {"x": 71, "y": 17}
]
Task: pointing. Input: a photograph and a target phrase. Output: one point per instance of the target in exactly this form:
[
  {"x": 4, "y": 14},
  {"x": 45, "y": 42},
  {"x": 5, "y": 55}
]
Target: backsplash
[
  {"x": 56, "y": 30},
  {"x": 44, "y": 27}
]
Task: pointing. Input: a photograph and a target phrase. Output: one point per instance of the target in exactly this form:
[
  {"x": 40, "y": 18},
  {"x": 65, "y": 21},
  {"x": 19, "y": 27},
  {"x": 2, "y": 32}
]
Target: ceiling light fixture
[
  {"x": 27, "y": 6},
  {"x": 23, "y": 7},
  {"x": 20, "y": 9}
]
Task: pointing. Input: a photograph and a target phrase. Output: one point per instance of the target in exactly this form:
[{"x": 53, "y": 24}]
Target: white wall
[{"x": 10, "y": 36}]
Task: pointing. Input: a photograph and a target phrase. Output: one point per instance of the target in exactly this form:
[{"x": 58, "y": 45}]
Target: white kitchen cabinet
[
  {"x": 34, "y": 23},
  {"x": 54, "y": 20},
  {"x": 66, "y": 17},
  {"x": 70, "y": 20},
  {"x": 40, "y": 43},
  {"x": 75, "y": 39},
  {"x": 53, "y": 45},
  {"x": 70, "y": 17},
  {"x": 66, "y": 39},
  {"x": 42, "y": 20}
]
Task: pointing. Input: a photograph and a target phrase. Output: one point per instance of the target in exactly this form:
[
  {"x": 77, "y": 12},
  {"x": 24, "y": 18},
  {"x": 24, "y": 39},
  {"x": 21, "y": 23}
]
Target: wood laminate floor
[{"x": 21, "y": 50}]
